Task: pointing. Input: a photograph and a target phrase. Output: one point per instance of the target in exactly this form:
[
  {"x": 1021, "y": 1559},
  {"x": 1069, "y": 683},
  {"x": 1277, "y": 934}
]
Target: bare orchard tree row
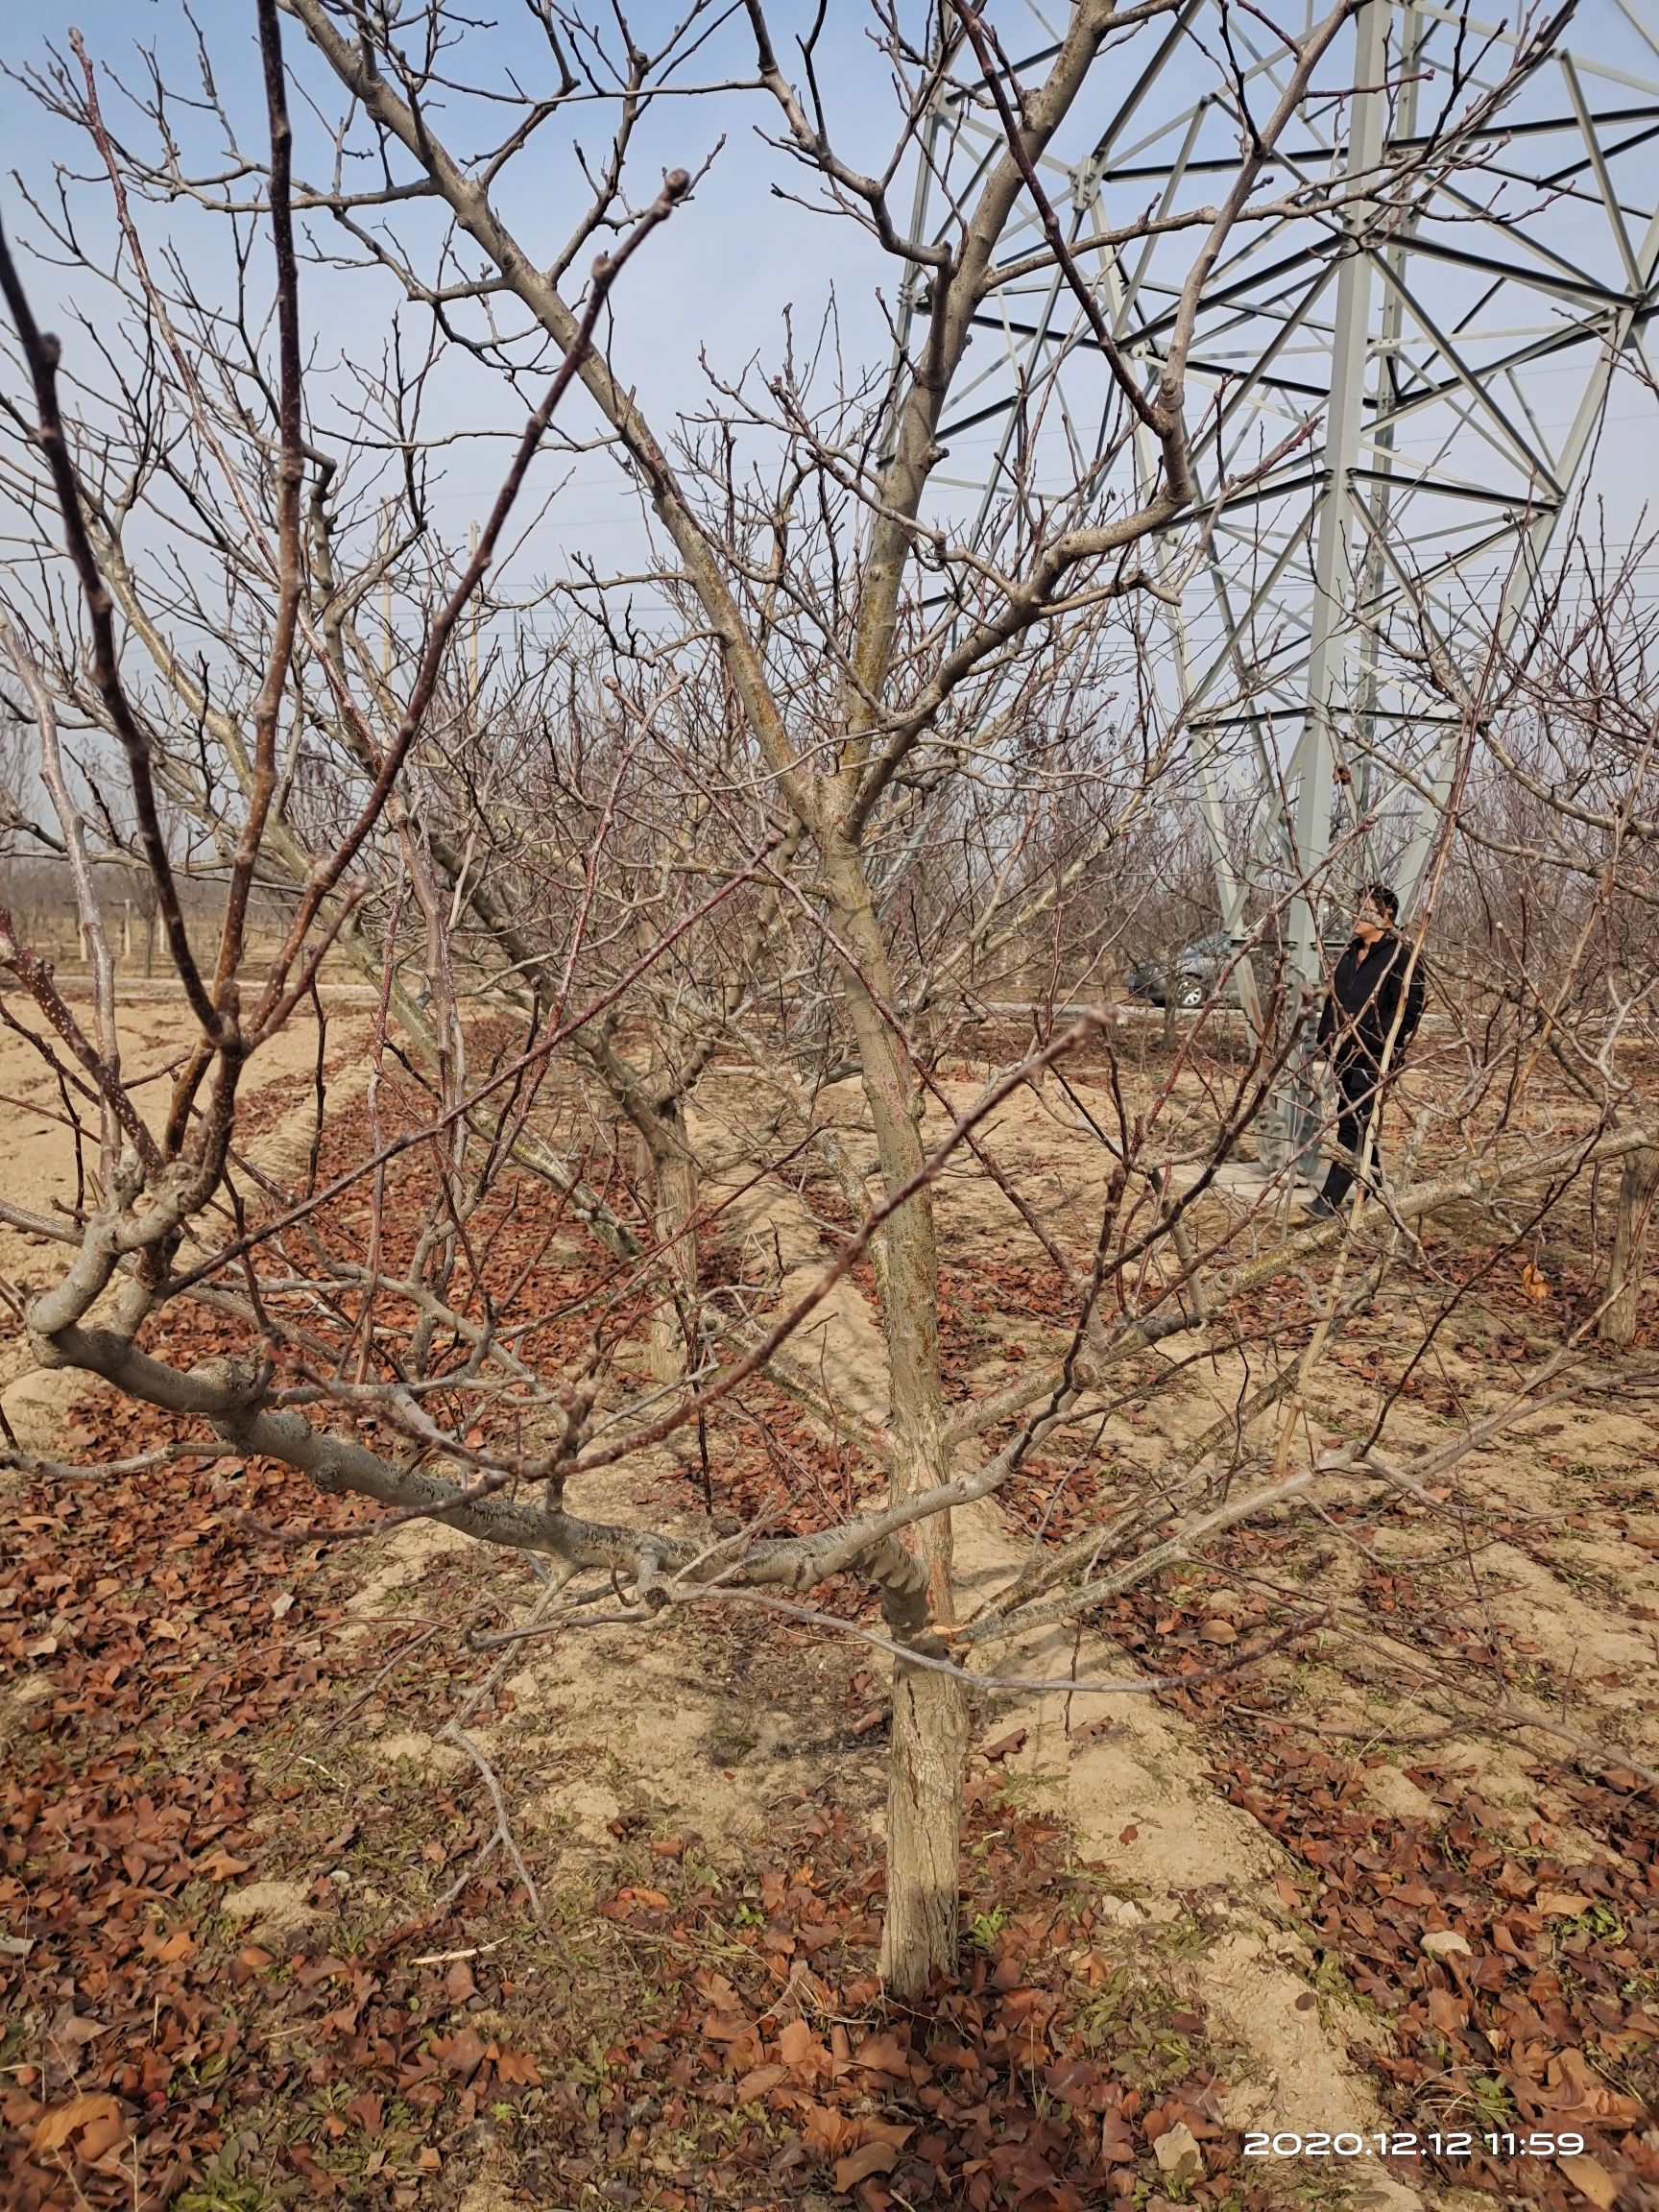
[{"x": 784, "y": 808}]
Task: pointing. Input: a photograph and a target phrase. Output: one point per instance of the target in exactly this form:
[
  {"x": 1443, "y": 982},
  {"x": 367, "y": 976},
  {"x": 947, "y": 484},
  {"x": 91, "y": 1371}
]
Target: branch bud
[{"x": 675, "y": 184}]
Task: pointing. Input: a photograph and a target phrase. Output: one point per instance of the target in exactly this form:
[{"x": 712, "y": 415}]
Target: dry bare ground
[
  {"x": 270, "y": 1946},
  {"x": 38, "y": 1169},
  {"x": 336, "y": 1869}
]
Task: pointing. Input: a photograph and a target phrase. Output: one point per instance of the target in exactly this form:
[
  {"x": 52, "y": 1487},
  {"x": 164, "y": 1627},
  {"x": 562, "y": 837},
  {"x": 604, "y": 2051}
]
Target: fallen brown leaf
[
  {"x": 1590, "y": 2180},
  {"x": 870, "y": 2159},
  {"x": 1005, "y": 1745},
  {"x": 54, "y": 2128},
  {"x": 1561, "y": 1904}
]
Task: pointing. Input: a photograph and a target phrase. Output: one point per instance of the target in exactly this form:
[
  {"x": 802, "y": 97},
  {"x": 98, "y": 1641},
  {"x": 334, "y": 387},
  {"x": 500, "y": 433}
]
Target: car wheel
[{"x": 1189, "y": 991}]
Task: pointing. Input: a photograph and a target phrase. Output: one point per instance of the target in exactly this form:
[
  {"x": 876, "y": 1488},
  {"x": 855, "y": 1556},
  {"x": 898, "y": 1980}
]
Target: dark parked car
[{"x": 1193, "y": 972}]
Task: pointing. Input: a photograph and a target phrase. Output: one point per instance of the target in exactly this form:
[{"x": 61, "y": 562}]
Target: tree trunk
[
  {"x": 930, "y": 1738},
  {"x": 669, "y": 1348},
  {"x": 918, "y": 1932},
  {"x": 1638, "y": 1182}
]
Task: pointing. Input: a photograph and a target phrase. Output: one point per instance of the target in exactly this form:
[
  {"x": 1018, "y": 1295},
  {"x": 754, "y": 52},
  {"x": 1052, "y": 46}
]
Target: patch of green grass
[
  {"x": 1022, "y": 1789},
  {"x": 985, "y": 1927},
  {"x": 220, "y": 2190},
  {"x": 729, "y": 1743},
  {"x": 1330, "y": 1981},
  {"x": 1603, "y": 1923},
  {"x": 1590, "y": 1581},
  {"x": 1326, "y": 2192},
  {"x": 1489, "y": 2104},
  {"x": 1188, "y": 1936},
  {"x": 1133, "y": 2016}
]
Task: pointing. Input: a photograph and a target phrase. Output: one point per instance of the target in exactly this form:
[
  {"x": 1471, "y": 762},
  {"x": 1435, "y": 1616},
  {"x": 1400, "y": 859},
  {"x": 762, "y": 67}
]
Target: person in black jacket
[{"x": 1373, "y": 1008}]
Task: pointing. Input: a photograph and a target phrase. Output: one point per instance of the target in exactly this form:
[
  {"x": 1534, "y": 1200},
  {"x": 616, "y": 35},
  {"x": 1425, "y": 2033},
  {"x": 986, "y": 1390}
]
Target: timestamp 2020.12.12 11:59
[{"x": 1406, "y": 2143}]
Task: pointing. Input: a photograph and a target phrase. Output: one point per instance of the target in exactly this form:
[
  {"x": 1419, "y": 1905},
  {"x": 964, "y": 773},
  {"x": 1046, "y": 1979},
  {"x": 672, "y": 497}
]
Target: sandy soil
[
  {"x": 670, "y": 1727},
  {"x": 1142, "y": 1780},
  {"x": 37, "y": 1166}
]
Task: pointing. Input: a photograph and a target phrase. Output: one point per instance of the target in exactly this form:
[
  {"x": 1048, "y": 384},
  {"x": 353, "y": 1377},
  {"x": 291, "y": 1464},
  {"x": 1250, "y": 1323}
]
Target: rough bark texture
[
  {"x": 929, "y": 1710},
  {"x": 924, "y": 1829},
  {"x": 675, "y": 1170},
  {"x": 1637, "y": 1185}
]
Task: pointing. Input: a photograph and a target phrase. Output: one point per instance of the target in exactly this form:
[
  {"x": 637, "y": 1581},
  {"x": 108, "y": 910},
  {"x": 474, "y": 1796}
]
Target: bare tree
[{"x": 796, "y": 793}]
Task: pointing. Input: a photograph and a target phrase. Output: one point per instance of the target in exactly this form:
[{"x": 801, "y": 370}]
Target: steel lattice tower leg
[{"x": 1455, "y": 355}]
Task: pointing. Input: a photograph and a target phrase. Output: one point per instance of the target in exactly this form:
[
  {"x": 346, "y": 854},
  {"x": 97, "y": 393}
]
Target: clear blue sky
[
  {"x": 718, "y": 284},
  {"x": 719, "y": 281}
]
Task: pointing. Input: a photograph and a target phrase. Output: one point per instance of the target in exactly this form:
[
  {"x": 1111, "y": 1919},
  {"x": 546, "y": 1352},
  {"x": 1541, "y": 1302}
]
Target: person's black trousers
[{"x": 1357, "y": 1086}]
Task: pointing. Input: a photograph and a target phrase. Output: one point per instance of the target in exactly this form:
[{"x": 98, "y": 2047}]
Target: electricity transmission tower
[{"x": 1448, "y": 351}]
